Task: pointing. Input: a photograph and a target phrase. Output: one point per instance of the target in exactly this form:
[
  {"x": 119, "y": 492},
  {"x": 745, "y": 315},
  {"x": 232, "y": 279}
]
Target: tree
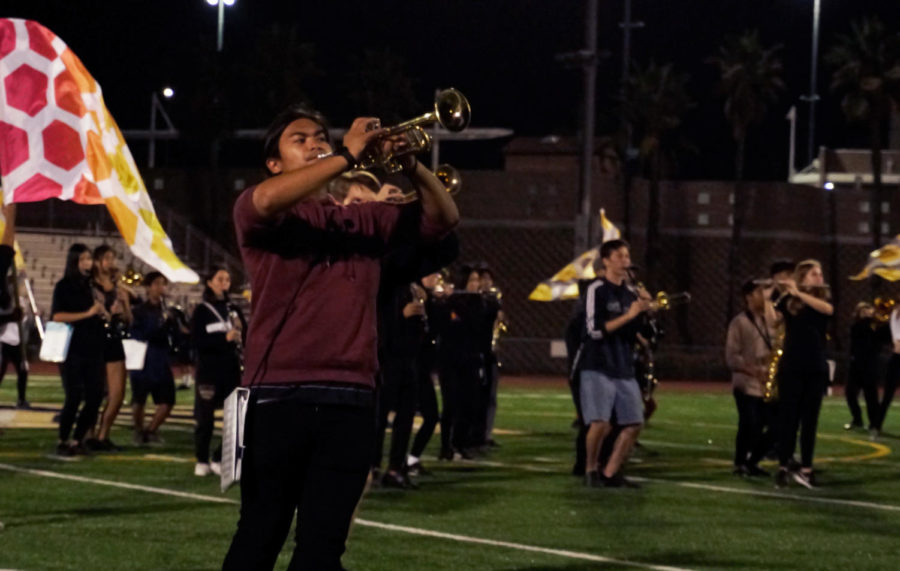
[
  {"x": 867, "y": 71},
  {"x": 750, "y": 80},
  {"x": 655, "y": 101}
]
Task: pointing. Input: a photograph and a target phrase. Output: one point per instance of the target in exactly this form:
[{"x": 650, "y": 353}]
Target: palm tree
[
  {"x": 750, "y": 80},
  {"x": 655, "y": 101},
  {"x": 867, "y": 71}
]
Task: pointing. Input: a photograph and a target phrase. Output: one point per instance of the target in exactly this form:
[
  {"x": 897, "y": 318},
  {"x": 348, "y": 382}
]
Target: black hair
[
  {"x": 462, "y": 277},
  {"x": 152, "y": 277},
  {"x": 781, "y": 266},
  {"x": 610, "y": 246},
  {"x": 749, "y": 286},
  {"x": 281, "y": 122},
  {"x": 101, "y": 251},
  {"x": 75, "y": 251},
  {"x": 208, "y": 294}
]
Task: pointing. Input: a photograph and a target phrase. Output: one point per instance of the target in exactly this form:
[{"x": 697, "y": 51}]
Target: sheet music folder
[{"x": 234, "y": 417}]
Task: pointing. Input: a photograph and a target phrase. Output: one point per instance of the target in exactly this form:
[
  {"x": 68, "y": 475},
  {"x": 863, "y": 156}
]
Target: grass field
[{"x": 518, "y": 508}]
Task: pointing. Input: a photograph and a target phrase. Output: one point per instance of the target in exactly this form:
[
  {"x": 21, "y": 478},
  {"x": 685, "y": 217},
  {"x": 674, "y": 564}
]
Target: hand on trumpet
[{"x": 361, "y": 134}]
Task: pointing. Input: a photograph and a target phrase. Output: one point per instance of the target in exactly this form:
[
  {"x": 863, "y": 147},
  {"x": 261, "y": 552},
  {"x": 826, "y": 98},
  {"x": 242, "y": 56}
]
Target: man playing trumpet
[{"x": 310, "y": 355}]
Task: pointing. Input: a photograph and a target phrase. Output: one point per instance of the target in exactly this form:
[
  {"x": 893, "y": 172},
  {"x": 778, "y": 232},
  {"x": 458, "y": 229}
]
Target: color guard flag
[
  {"x": 883, "y": 262},
  {"x": 58, "y": 140},
  {"x": 564, "y": 284}
]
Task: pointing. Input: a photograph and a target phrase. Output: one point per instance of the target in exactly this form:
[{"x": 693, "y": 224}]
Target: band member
[
  {"x": 154, "y": 325},
  {"x": 608, "y": 385},
  {"x": 465, "y": 320},
  {"x": 574, "y": 338},
  {"x": 802, "y": 371},
  {"x": 492, "y": 366},
  {"x": 311, "y": 350},
  {"x": 893, "y": 373},
  {"x": 867, "y": 337},
  {"x": 11, "y": 342},
  {"x": 118, "y": 309},
  {"x": 748, "y": 348},
  {"x": 426, "y": 366},
  {"x": 217, "y": 334},
  {"x": 84, "y": 371}
]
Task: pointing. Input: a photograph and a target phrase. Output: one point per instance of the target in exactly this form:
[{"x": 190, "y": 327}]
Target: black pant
[
  {"x": 753, "y": 438},
  {"x": 426, "y": 400},
  {"x": 493, "y": 372},
  {"x": 84, "y": 380},
  {"x": 459, "y": 384},
  {"x": 13, "y": 354},
  {"x": 308, "y": 458},
  {"x": 397, "y": 393},
  {"x": 862, "y": 376},
  {"x": 800, "y": 399},
  {"x": 890, "y": 387},
  {"x": 207, "y": 398}
]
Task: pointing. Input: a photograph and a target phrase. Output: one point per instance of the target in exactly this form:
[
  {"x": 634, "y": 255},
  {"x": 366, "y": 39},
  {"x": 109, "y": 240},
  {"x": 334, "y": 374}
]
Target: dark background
[{"x": 386, "y": 57}]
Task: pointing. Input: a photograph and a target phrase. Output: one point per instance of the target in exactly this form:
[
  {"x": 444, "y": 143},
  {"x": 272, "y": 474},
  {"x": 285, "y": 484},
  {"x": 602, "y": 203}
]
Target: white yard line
[{"x": 363, "y": 522}]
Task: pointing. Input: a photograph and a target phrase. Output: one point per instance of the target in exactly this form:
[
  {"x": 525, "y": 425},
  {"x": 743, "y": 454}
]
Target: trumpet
[
  {"x": 447, "y": 175},
  {"x": 451, "y": 111}
]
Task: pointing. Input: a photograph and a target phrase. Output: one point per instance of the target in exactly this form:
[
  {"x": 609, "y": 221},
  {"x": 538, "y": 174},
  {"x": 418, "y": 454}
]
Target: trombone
[{"x": 451, "y": 111}]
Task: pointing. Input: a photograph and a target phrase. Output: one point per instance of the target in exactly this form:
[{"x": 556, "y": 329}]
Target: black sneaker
[
  {"x": 23, "y": 405},
  {"x": 619, "y": 481},
  {"x": 853, "y": 425},
  {"x": 741, "y": 470},
  {"x": 446, "y": 454},
  {"x": 417, "y": 469},
  {"x": 594, "y": 479},
  {"x": 108, "y": 445},
  {"x": 394, "y": 479},
  {"x": 93, "y": 445},
  {"x": 64, "y": 450},
  {"x": 782, "y": 478},
  {"x": 754, "y": 470}
]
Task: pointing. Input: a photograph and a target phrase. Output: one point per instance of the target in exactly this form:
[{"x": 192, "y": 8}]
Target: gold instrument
[
  {"x": 883, "y": 309},
  {"x": 449, "y": 177},
  {"x": 664, "y": 301},
  {"x": 770, "y": 386},
  {"x": 451, "y": 111}
]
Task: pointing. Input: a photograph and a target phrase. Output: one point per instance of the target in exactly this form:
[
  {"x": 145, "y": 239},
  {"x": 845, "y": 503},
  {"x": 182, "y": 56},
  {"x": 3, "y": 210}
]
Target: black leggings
[
  {"x": 397, "y": 393},
  {"x": 800, "y": 399},
  {"x": 428, "y": 408},
  {"x": 890, "y": 387},
  {"x": 13, "y": 354},
  {"x": 863, "y": 377},
  {"x": 83, "y": 381},
  {"x": 753, "y": 439}
]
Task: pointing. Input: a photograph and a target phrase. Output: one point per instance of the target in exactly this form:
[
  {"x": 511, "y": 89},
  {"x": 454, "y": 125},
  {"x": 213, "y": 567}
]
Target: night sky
[{"x": 500, "y": 53}]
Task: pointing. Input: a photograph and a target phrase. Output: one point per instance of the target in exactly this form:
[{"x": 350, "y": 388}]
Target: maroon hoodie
[{"x": 314, "y": 274}]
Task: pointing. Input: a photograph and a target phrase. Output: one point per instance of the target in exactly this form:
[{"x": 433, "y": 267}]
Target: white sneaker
[
  {"x": 216, "y": 468},
  {"x": 201, "y": 469}
]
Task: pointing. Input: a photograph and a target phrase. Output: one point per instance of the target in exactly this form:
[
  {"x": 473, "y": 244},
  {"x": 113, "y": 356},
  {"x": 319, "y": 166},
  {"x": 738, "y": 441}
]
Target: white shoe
[
  {"x": 201, "y": 469},
  {"x": 216, "y": 468}
]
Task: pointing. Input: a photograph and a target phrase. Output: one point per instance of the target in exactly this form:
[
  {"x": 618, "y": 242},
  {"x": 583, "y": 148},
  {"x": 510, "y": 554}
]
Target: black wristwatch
[{"x": 347, "y": 156}]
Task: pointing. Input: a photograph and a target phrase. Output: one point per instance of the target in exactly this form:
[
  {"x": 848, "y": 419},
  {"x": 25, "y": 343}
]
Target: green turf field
[{"x": 516, "y": 509}]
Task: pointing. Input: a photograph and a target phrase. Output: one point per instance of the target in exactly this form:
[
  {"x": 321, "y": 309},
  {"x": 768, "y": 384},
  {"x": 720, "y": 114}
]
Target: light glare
[{"x": 168, "y": 92}]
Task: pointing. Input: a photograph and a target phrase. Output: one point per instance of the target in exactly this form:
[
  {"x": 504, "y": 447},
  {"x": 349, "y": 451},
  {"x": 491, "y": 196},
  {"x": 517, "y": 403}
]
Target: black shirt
[
  {"x": 804, "y": 339},
  {"x": 74, "y": 295},
  {"x": 866, "y": 342},
  {"x": 611, "y": 353}
]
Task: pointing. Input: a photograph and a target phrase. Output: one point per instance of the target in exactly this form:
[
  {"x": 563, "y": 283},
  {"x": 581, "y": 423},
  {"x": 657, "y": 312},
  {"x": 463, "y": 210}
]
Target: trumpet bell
[
  {"x": 450, "y": 178},
  {"x": 452, "y": 110}
]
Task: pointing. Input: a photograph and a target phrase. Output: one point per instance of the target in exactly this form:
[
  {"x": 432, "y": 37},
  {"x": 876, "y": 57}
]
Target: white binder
[{"x": 234, "y": 417}]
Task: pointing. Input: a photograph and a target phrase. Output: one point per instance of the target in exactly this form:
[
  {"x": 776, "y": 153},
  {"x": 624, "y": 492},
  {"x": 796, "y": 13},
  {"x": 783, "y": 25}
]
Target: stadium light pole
[
  {"x": 220, "y": 31},
  {"x": 813, "y": 96}
]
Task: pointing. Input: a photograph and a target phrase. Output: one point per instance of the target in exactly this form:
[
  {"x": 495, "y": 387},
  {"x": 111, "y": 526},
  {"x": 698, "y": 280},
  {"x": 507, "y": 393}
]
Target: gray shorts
[{"x": 600, "y": 395}]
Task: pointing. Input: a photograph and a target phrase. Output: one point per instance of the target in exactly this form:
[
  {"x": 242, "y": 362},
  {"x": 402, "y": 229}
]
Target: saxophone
[{"x": 770, "y": 387}]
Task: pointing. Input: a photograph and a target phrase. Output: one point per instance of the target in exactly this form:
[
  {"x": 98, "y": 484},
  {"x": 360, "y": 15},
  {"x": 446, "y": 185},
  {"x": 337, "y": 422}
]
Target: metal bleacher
[{"x": 45, "y": 260}]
